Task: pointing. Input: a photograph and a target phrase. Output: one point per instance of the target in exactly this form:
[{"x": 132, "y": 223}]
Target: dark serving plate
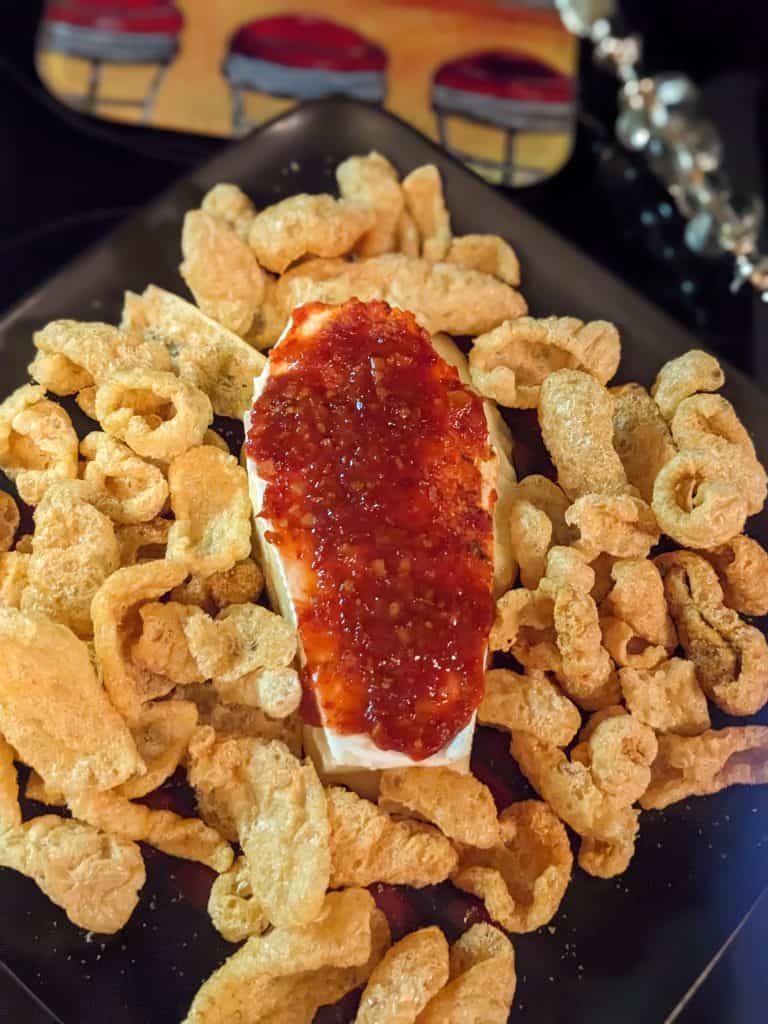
[{"x": 625, "y": 950}]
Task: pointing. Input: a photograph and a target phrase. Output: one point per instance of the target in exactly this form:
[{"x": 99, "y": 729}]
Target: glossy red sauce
[{"x": 369, "y": 444}]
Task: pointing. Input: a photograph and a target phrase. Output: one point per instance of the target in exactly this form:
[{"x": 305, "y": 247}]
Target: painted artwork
[{"x": 493, "y": 82}]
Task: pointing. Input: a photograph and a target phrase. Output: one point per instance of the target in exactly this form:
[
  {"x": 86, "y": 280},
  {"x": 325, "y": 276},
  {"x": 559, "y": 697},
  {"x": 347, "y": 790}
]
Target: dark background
[{"x": 66, "y": 180}]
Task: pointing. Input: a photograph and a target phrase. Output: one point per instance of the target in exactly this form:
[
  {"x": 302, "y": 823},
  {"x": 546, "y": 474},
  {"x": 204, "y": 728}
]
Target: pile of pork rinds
[{"x": 133, "y": 643}]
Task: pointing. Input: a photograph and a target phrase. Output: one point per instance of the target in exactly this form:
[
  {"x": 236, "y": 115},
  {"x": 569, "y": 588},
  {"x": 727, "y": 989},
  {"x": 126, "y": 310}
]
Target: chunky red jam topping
[{"x": 370, "y": 445}]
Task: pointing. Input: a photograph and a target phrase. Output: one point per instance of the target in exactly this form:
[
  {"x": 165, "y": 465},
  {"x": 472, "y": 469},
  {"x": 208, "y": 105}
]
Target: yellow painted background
[{"x": 417, "y": 35}]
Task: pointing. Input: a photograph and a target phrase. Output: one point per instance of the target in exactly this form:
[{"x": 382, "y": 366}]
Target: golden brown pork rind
[
  {"x": 277, "y": 691},
  {"x": 14, "y": 567},
  {"x": 619, "y": 524},
  {"x": 482, "y": 984},
  {"x": 93, "y": 876},
  {"x": 487, "y": 253},
  {"x": 278, "y": 807},
  {"x": 408, "y": 241},
  {"x": 53, "y": 709},
  {"x": 528, "y": 703},
  {"x": 228, "y": 203},
  {"x": 9, "y": 521},
  {"x": 143, "y": 542},
  {"x": 742, "y": 568},
  {"x": 684, "y": 376},
  {"x": 162, "y": 646},
  {"x": 212, "y": 509},
  {"x": 242, "y": 584},
  {"x": 162, "y": 733},
  {"x": 458, "y": 803},
  {"x": 536, "y": 522},
  {"x": 524, "y": 627},
  {"x": 373, "y": 181},
  {"x": 510, "y": 363},
  {"x": 307, "y": 225},
  {"x": 423, "y": 192},
  {"x": 699, "y": 765},
  {"x": 368, "y": 846},
  {"x": 407, "y": 977},
  {"x": 38, "y": 444},
  {"x": 636, "y": 626},
  {"x": 641, "y": 437},
  {"x": 576, "y": 420},
  {"x": 523, "y": 879},
  {"x": 667, "y": 697},
  {"x": 605, "y": 860},
  {"x": 240, "y": 721},
  {"x": 10, "y": 811},
  {"x": 586, "y": 672},
  {"x": 221, "y": 271},
  {"x": 154, "y": 412},
  {"x": 730, "y": 657},
  {"x": 232, "y": 908},
  {"x": 117, "y": 626},
  {"x": 126, "y": 488},
  {"x": 618, "y": 751}
]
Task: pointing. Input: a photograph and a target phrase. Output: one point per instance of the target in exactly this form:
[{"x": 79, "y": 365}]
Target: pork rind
[
  {"x": 373, "y": 181},
  {"x": 117, "y": 625},
  {"x": 408, "y": 241},
  {"x": 536, "y": 522},
  {"x": 423, "y": 191},
  {"x": 228, "y": 203},
  {"x": 572, "y": 792},
  {"x": 234, "y": 912},
  {"x": 528, "y": 703},
  {"x": 209, "y": 498},
  {"x": 221, "y": 271},
  {"x": 244, "y": 638},
  {"x": 699, "y": 765},
  {"x": 487, "y": 253},
  {"x": 407, "y": 977},
  {"x": 742, "y": 568},
  {"x": 143, "y": 542},
  {"x": 212, "y": 438},
  {"x": 586, "y": 672},
  {"x": 204, "y": 353},
  {"x": 94, "y": 877},
  {"x": 619, "y": 751},
  {"x": 576, "y": 420},
  {"x": 307, "y": 225},
  {"x": 730, "y": 657},
  {"x": 684, "y": 376},
  {"x": 14, "y": 568},
  {"x": 162, "y": 646},
  {"x": 620, "y": 525},
  {"x": 10, "y": 811},
  {"x": 127, "y": 489},
  {"x": 667, "y": 697},
  {"x": 242, "y": 584},
  {"x": 240, "y": 721},
  {"x": 605, "y": 860},
  {"x": 278, "y": 807},
  {"x": 482, "y": 984},
  {"x": 53, "y": 709},
  {"x": 9, "y": 521},
  {"x": 367, "y": 846},
  {"x": 524, "y": 627},
  {"x": 162, "y": 733},
  {"x": 510, "y": 363},
  {"x": 641, "y": 437},
  {"x": 459, "y": 804},
  {"x": 696, "y": 500},
  {"x": 188, "y": 838},
  {"x": 242, "y": 989},
  {"x": 523, "y": 879},
  {"x": 637, "y": 628},
  {"x": 73, "y": 356},
  {"x": 38, "y": 444}
]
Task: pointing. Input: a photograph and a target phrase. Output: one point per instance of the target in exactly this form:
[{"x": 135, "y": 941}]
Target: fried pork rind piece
[
  {"x": 94, "y": 877},
  {"x": 619, "y": 524},
  {"x": 143, "y": 542},
  {"x": 619, "y": 751},
  {"x": 684, "y": 376},
  {"x": 10, "y": 811},
  {"x": 307, "y": 225},
  {"x": 586, "y": 672},
  {"x": 73, "y": 356},
  {"x": 228, "y": 203},
  {"x": 482, "y": 984},
  {"x": 162, "y": 646},
  {"x": 406, "y": 978},
  {"x": 423, "y": 191},
  {"x": 54, "y": 711},
  {"x": 637, "y": 628},
  {"x": 524, "y": 627},
  {"x": 242, "y": 584},
  {"x": 742, "y": 568},
  {"x": 373, "y": 181},
  {"x": 234, "y": 912},
  {"x": 9, "y": 521},
  {"x": 536, "y": 522},
  {"x": 699, "y": 765},
  {"x": 408, "y": 241},
  {"x": 572, "y": 792},
  {"x": 239, "y": 721},
  {"x": 510, "y": 363},
  {"x": 117, "y": 625},
  {"x": 730, "y": 657},
  {"x": 605, "y": 860},
  {"x": 37, "y": 789},
  {"x": 487, "y": 253},
  {"x": 127, "y": 489},
  {"x": 212, "y": 438},
  {"x": 528, "y": 703},
  {"x": 459, "y": 804},
  {"x": 221, "y": 271},
  {"x": 188, "y": 838},
  {"x": 204, "y": 353},
  {"x": 209, "y": 498},
  {"x": 367, "y": 846},
  {"x": 697, "y": 501},
  {"x": 576, "y": 420},
  {"x": 162, "y": 733},
  {"x": 641, "y": 437},
  {"x": 523, "y": 879},
  {"x": 340, "y": 936},
  {"x": 14, "y": 568},
  {"x": 667, "y": 697},
  {"x": 38, "y": 444},
  {"x": 278, "y": 807}
]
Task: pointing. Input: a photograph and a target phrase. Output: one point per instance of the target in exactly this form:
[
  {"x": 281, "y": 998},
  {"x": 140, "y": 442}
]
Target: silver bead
[
  {"x": 618, "y": 55},
  {"x": 632, "y": 129},
  {"x": 578, "y": 16}
]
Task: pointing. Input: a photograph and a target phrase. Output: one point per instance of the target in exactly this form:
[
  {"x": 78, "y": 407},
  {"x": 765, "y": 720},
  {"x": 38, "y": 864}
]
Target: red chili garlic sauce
[{"x": 369, "y": 445}]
